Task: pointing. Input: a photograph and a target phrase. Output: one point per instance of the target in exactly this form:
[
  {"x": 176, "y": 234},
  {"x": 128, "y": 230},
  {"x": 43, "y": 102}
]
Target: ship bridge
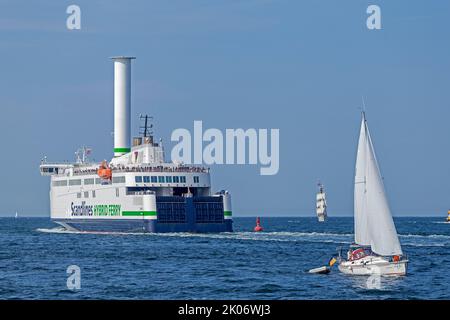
[{"x": 49, "y": 169}]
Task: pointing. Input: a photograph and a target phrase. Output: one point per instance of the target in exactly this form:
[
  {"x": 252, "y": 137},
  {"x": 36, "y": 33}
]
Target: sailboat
[
  {"x": 448, "y": 216},
  {"x": 16, "y": 215},
  {"x": 377, "y": 249},
  {"x": 321, "y": 204}
]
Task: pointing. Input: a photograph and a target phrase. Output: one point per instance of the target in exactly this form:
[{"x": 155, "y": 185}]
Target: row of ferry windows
[
  {"x": 163, "y": 179},
  {"x": 86, "y": 194},
  {"x": 90, "y": 181},
  {"x": 121, "y": 179}
]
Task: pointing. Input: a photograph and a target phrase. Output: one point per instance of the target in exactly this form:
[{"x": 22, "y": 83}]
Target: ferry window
[
  {"x": 176, "y": 179},
  {"x": 161, "y": 179},
  {"x": 98, "y": 181},
  {"x": 146, "y": 179},
  {"x": 196, "y": 179},
  {"x": 78, "y": 195},
  {"x": 169, "y": 179},
  {"x": 118, "y": 179},
  {"x": 59, "y": 183},
  {"x": 89, "y": 181},
  {"x": 75, "y": 182},
  {"x": 86, "y": 194},
  {"x": 138, "y": 179},
  {"x": 154, "y": 179},
  {"x": 93, "y": 193},
  {"x": 117, "y": 192},
  {"x": 183, "y": 179}
]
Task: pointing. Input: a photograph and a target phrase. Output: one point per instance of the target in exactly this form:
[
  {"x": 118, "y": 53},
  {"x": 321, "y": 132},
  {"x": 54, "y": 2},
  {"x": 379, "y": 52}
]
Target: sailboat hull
[{"x": 374, "y": 265}]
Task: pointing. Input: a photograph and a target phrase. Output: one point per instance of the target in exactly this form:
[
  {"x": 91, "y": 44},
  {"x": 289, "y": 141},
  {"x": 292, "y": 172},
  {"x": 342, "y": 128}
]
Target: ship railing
[
  {"x": 144, "y": 170},
  {"x": 161, "y": 169}
]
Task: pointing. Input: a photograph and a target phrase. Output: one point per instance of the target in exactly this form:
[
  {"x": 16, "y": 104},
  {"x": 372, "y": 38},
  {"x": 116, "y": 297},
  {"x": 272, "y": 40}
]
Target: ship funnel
[{"x": 122, "y": 105}]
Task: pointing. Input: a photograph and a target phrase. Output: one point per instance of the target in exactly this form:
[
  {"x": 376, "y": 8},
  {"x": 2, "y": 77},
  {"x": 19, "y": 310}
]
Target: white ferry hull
[
  {"x": 142, "y": 226},
  {"x": 107, "y": 212}
]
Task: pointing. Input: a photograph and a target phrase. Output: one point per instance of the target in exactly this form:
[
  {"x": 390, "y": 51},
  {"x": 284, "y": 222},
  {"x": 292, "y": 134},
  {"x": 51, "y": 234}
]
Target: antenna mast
[{"x": 145, "y": 129}]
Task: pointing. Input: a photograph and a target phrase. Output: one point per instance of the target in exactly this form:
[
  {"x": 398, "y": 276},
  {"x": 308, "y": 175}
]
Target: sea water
[{"x": 35, "y": 256}]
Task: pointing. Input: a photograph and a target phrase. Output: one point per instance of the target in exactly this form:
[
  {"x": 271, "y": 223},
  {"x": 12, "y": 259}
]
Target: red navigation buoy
[{"x": 258, "y": 227}]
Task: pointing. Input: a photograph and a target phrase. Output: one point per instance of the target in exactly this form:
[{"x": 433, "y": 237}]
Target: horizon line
[{"x": 266, "y": 216}]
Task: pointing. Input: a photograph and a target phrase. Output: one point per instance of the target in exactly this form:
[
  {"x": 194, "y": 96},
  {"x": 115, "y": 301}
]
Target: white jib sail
[{"x": 374, "y": 225}]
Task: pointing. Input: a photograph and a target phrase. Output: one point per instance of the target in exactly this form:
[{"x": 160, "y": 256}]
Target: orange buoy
[{"x": 258, "y": 227}]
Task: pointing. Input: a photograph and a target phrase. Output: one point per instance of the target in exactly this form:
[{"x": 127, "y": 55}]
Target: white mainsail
[{"x": 374, "y": 225}]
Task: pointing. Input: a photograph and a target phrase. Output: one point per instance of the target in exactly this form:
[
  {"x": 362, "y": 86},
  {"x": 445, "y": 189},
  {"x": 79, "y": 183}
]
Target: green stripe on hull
[
  {"x": 125, "y": 150},
  {"x": 138, "y": 213},
  {"x": 227, "y": 213}
]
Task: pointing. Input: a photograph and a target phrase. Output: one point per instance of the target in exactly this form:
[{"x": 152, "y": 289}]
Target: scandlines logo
[
  {"x": 95, "y": 210},
  {"x": 81, "y": 210}
]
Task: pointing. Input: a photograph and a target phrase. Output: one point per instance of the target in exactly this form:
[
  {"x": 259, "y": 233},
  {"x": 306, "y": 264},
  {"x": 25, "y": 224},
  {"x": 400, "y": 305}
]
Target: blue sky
[{"x": 300, "y": 66}]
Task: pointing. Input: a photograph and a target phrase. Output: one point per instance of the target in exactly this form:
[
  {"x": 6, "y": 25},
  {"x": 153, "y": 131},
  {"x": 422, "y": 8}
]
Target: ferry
[{"x": 137, "y": 190}]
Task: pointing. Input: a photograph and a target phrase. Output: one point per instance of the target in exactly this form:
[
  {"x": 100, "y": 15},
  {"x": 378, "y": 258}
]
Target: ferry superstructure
[{"x": 137, "y": 191}]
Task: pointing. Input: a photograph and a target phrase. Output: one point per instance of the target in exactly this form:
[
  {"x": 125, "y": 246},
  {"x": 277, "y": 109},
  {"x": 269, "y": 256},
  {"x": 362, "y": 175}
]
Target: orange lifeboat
[{"x": 104, "y": 171}]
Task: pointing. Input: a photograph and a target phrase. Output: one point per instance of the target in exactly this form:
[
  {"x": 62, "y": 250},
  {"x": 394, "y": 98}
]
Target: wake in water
[
  {"x": 53, "y": 230},
  {"x": 266, "y": 236},
  {"x": 415, "y": 240},
  {"x": 66, "y": 231}
]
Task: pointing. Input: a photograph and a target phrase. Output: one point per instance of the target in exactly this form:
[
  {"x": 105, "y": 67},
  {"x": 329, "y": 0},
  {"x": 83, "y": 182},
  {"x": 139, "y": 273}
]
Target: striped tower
[
  {"x": 227, "y": 212},
  {"x": 149, "y": 205},
  {"x": 122, "y": 105},
  {"x": 148, "y": 208}
]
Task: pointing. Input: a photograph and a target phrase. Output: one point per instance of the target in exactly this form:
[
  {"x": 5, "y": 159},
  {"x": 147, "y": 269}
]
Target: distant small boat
[
  {"x": 16, "y": 215},
  {"x": 320, "y": 270},
  {"x": 448, "y": 216},
  {"x": 321, "y": 204}
]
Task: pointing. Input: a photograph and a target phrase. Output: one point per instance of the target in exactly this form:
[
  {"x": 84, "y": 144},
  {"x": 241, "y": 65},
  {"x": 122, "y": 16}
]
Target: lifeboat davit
[
  {"x": 258, "y": 227},
  {"x": 104, "y": 171}
]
